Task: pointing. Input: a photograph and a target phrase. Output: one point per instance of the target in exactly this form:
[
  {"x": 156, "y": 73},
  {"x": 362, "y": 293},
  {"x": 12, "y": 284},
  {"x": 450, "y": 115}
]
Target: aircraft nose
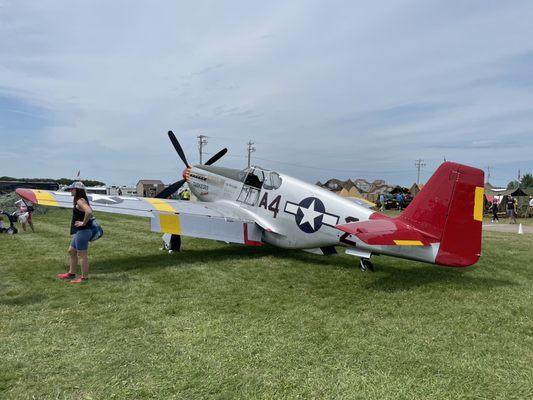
[{"x": 186, "y": 174}]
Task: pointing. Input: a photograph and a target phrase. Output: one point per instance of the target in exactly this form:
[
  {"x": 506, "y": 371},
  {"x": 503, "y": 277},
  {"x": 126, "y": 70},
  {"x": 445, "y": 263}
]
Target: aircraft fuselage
[{"x": 297, "y": 214}]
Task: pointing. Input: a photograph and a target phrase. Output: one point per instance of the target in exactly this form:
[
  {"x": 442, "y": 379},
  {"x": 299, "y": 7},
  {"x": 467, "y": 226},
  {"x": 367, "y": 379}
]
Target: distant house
[
  {"x": 358, "y": 189},
  {"x": 362, "y": 185},
  {"x": 149, "y": 187},
  {"x": 335, "y": 185},
  {"x": 376, "y": 190},
  {"x": 416, "y": 188},
  {"x": 121, "y": 191},
  {"x": 96, "y": 190},
  {"x": 352, "y": 192}
]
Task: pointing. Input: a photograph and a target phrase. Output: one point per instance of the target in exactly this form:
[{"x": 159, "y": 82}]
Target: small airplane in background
[{"x": 254, "y": 206}]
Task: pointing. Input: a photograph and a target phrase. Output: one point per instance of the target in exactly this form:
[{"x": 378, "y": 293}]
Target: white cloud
[{"x": 313, "y": 83}]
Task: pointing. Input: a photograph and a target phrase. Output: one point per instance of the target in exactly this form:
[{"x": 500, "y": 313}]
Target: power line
[
  {"x": 250, "y": 149},
  {"x": 202, "y": 141},
  {"x": 419, "y": 164},
  {"x": 489, "y": 168},
  {"x": 396, "y": 171}
]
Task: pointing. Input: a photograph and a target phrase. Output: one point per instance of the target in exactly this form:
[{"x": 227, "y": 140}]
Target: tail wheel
[{"x": 365, "y": 264}]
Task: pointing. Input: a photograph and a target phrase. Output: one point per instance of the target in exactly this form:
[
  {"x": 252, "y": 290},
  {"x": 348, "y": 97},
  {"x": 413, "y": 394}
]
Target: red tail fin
[{"x": 450, "y": 208}]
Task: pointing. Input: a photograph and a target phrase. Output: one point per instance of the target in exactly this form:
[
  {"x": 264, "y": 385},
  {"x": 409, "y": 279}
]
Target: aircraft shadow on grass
[{"x": 388, "y": 278}]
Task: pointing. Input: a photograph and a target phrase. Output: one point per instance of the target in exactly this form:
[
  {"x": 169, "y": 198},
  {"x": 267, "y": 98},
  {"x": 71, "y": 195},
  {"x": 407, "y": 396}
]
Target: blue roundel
[{"x": 310, "y": 214}]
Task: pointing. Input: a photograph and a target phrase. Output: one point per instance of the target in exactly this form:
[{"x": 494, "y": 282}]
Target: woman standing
[{"x": 80, "y": 230}]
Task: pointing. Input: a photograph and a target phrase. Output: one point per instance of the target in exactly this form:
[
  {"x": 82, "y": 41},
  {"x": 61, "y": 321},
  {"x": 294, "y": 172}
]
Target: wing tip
[{"x": 27, "y": 194}]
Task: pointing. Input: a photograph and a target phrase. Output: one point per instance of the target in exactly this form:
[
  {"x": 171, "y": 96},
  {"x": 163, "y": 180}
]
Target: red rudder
[{"x": 450, "y": 209}]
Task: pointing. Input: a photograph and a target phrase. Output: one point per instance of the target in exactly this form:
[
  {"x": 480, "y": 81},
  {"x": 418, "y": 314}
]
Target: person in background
[
  {"x": 25, "y": 206},
  {"x": 399, "y": 200},
  {"x": 80, "y": 230},
  {"x": 494, "y": 210},
  {"x": 119, "y": 191},
  {"x": 511, "y": 209},
  {"x": 381, "y": 202},
  {"x": 185, "y": 195},
  {"x": 530, "y": 206}
]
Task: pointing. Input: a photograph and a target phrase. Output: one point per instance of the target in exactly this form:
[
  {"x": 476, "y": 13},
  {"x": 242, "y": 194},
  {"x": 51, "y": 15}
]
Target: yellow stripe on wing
[
  {"x": 408, "y": 243},
  {"x": 160, "y": 204},
  {"x": 170, "y": 223},
  {"x": 478, "y": 204},
  {"x": 45, "y": 198}
]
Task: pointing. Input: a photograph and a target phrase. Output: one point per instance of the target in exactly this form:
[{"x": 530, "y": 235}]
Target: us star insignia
[{"x": 310, "y": 214}]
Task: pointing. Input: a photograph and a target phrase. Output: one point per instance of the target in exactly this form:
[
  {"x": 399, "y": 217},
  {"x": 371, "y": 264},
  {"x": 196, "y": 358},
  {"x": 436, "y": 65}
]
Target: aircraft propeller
[{"x": 176, "y": 185}]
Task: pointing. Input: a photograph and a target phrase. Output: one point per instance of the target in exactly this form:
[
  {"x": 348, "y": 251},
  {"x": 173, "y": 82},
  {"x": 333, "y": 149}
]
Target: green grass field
[{"x": 224, "y": 322}]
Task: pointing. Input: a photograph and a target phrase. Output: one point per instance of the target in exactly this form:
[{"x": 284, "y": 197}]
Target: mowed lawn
[{"x": 222, "y": 321}]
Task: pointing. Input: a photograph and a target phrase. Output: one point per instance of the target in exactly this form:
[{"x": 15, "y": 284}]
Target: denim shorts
[{"x": 80, "y": 240}]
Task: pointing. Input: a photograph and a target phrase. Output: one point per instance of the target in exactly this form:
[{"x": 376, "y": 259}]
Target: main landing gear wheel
[{"x": 365, "y": 264}]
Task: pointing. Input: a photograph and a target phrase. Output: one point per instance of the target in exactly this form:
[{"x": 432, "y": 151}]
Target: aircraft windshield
[
  {"x": 255, "y": 178},
  {"x": 272, "y": 180},
  {"x": 243, "y": 173},
  {"x": 258, "y": 177}
]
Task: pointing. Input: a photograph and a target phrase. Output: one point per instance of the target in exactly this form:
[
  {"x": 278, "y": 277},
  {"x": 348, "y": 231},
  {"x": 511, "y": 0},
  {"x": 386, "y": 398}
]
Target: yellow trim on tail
[
  {"x": 160, "y": 204},
  {"x": 170, "y": 223},
  {"x": 45, "y": 198},
  {"x": 408, "y": 243},
  {"x": 478, "y": 204}
]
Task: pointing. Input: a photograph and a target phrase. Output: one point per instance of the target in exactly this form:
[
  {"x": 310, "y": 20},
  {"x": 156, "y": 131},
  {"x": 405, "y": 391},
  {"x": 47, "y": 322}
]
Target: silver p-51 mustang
[{"x": 442, "y": 225}]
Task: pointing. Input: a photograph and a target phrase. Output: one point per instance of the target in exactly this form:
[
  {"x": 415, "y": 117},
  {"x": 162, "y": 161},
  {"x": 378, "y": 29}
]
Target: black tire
[{"x": 366, "y": 265}]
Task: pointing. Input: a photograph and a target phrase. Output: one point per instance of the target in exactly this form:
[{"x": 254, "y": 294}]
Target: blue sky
[{"x": 325, "y": 89}]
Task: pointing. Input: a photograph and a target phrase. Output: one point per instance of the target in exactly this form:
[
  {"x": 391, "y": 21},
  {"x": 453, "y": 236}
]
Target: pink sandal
[
  {"x": 79, "y": 280},
  {"x": 66, "y": 276}
]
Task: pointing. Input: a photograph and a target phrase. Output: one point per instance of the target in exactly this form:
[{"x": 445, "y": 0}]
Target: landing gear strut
[{"x": 365, "y": 264}]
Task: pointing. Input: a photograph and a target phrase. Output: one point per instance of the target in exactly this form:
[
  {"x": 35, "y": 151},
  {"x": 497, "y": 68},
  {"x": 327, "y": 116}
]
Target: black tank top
[{"x": 77, "y": 215}]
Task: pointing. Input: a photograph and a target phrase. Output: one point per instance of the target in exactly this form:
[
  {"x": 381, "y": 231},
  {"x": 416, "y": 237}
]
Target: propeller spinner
[{"x": 170, "y": 190}]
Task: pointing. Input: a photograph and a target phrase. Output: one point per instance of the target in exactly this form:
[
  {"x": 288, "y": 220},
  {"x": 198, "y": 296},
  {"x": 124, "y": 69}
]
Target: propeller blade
[
  {"x": 165, "y": 193},
  {"x": 178, "y": 148},
  {"x": 216, "y": 157}
]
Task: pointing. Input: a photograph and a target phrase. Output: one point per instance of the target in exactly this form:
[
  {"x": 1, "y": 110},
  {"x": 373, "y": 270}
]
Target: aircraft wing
[{"x": 217, "y": 220}]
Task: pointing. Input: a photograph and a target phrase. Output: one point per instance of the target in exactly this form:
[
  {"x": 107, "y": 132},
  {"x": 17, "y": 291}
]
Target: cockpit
[
  {"x": 259, "y": 177},
  {"x": 255, "y": 178}
]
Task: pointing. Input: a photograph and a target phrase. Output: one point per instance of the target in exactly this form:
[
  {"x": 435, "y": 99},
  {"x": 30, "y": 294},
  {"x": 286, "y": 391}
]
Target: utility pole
[
  {"x": 251, "y": 149},
  {"x": 488, "y": 173},
  {"x": 202, "y": 141},
  {"x": 419, "y": 164}
]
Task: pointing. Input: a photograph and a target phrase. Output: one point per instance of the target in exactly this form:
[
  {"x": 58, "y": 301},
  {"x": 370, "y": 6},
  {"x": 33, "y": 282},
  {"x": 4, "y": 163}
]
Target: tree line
[
  {"x": 525, "y": 183},
  {"x": 61, "y": 181}
]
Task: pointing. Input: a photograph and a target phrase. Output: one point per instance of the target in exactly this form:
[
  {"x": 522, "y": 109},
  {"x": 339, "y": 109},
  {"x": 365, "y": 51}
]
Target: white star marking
[
  {"x": 96, "y": 197},
  {"x": 309, "y": 215}
]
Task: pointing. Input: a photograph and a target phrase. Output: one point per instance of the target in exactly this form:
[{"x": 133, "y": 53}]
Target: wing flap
[{"x": 206, "y": 227}]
